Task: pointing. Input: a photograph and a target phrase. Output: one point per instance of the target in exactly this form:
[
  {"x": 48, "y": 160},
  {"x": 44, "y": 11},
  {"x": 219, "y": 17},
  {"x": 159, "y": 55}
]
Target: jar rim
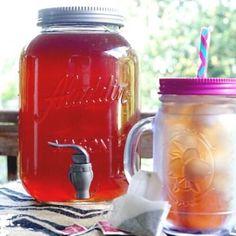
[{"x": 197, "y": 86}]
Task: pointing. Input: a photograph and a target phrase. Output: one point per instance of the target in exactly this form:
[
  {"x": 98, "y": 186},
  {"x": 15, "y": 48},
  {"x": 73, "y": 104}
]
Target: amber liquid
[{"x": 76, "y": 88}]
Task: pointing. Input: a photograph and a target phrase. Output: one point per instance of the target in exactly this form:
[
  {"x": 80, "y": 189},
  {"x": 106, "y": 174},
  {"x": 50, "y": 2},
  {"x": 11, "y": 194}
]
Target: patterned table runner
[{"x": 21, "y": 215}]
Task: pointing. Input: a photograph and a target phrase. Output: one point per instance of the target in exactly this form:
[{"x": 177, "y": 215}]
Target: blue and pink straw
[{"x": 203, "y": 53}]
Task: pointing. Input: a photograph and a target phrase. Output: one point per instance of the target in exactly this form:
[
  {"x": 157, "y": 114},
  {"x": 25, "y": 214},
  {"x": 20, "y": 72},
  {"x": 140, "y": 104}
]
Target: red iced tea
[{"x": 81, "y": 88}]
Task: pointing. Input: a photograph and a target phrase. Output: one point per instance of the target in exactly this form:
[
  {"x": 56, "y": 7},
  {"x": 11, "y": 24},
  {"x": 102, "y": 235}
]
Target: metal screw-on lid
[{"x": 80, "y": 15}]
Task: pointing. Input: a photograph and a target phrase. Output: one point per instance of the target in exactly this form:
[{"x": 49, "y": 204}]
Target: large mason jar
[{"x": 78, "y": 86}]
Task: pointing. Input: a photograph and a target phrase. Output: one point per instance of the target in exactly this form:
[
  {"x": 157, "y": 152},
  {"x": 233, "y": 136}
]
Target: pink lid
[{"x": 198, "y": 86}]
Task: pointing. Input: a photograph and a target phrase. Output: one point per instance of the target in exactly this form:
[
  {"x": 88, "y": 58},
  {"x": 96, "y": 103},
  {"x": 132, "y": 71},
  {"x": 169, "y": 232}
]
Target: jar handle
[{"x": 131, "y": 145}]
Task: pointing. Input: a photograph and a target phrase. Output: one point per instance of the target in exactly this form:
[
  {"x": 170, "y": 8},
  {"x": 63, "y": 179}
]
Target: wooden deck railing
[{"x": 9, "y": 140}]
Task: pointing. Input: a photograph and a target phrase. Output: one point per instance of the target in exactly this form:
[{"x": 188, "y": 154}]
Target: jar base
[{"x": 174, "y": 232}]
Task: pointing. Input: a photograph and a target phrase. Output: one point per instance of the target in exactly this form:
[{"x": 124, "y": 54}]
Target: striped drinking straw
[{"x": 203, "y": 53}]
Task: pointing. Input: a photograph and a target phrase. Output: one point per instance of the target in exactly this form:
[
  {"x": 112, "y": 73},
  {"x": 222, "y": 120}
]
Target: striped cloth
[{"x": 21, "y": 215}]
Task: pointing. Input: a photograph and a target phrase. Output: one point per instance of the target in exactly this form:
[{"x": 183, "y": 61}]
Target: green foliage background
[
  {"x": 171, "y": 48},
  {"x": 166, "y": 35}
]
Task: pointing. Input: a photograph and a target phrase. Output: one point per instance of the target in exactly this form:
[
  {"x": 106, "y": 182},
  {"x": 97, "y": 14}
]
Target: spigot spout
[{"x": 80, "y": 173}]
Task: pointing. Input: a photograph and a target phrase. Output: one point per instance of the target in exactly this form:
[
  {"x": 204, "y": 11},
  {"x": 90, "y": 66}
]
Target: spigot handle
[{"x": 76, "y": 147}]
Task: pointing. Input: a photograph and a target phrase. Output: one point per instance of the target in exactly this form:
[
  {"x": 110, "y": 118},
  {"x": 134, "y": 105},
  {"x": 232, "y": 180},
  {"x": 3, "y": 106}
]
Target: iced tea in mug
[{"x": 194, "y": 151}]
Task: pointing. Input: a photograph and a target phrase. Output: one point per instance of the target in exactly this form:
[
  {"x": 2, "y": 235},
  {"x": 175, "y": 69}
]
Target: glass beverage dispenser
[{"x": 78, "y": 101}]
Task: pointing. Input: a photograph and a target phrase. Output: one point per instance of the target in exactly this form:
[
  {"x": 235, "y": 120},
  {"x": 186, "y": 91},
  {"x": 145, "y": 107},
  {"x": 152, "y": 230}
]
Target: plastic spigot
[{"x": 80, "y": 173}]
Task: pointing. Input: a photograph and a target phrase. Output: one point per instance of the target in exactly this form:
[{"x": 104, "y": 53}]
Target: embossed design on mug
[{"x": 190, "y": 167}]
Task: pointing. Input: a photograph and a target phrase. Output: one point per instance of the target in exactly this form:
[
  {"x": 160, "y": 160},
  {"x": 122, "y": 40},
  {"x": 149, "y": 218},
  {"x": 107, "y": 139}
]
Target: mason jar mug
[{"x": 194, "y": 152}]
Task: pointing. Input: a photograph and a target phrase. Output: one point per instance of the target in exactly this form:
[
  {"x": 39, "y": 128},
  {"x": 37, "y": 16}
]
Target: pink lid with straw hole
[{"x": 198, "y": 86}]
